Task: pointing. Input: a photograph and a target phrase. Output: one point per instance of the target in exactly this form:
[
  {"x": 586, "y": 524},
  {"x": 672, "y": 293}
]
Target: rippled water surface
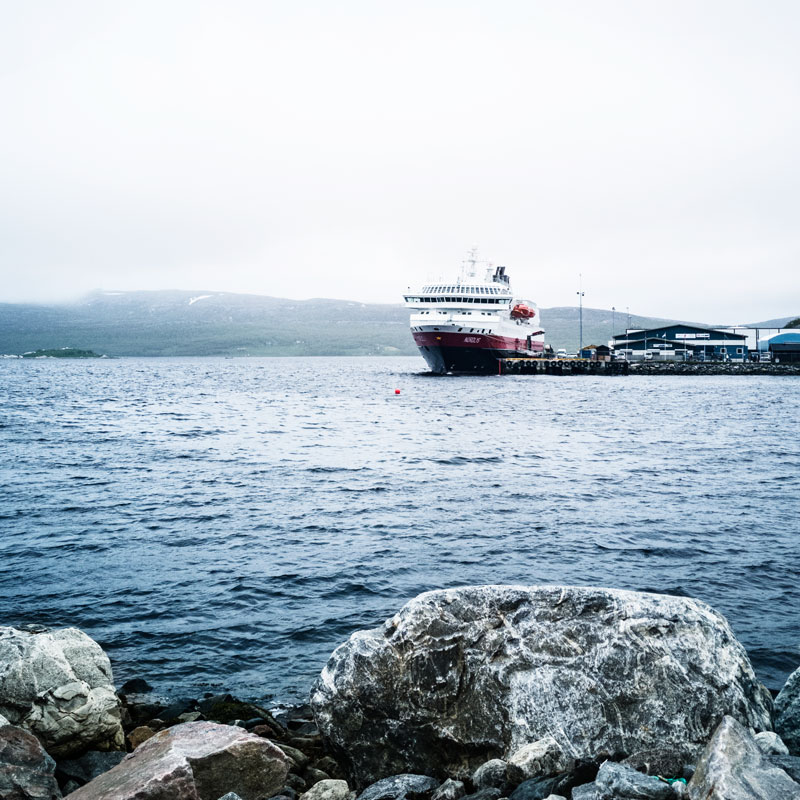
[{"x": 224, "y": 524}]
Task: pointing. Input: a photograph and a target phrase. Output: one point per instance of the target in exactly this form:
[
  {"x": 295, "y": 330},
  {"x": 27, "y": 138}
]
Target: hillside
[{"x": 182, "y": 323}]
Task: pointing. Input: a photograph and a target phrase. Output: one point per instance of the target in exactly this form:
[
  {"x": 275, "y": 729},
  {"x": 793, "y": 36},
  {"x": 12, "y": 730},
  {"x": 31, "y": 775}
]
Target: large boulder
[
  {"x": 26, "y": 771},
  {"x": 461, "y": 676},
  {"x": 193, "y": 761},
  {"x": 58, "y": 685},
  {"x": 732, "y": 767},
  {"x": 787, "y": 713}
]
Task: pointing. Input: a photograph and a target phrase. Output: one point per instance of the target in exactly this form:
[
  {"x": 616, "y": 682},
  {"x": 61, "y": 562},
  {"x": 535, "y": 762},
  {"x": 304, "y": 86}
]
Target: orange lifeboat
[{"x": 521, "y": 311}]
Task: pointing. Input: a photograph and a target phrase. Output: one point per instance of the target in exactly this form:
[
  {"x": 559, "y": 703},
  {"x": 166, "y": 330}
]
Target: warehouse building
[
  {"x": 681, "y": 342},
  {"x": 783, "y": 348}
]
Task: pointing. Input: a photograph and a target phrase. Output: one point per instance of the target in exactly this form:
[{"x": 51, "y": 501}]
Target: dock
[{"x": 560, "y": 366}]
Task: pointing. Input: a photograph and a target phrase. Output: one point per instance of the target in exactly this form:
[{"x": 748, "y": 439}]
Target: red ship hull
[{"x": 446, "y": 351}]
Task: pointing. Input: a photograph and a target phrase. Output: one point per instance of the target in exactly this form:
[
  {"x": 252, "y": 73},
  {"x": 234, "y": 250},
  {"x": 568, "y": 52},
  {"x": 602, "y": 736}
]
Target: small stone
[
  {"x": 327, "y": 790},
  {"x": 329, "y": 765},
  {"x": 449, "y": 790},
  {"x": 666, "y": 762},
  {"x": 680, "y": 790},
  {"x": 89, "y": 766},
  {"x": 487, "y": 793},
  {"x": 787, "y": 713},
  {"x": 299, "y": 758},
  {"x": 586, "y": 791},
  {"x": 135, "y": 686},
  {"x": 539, "y": 788},
  {"x": 296, "y": 782},
  {"x": 398, "y": 787},
  {"x": 139, "y": 735},
  {"x": 230, "y": 796},
  {"x": 771, "y": 744},
  {"x": 190, "y": 716},
  {"x": 313, "y": 776},
  {"x": 542, "y": 757},
  {"x": 3, "y": 721},
  {"x": 492, "y": 774},
  {"x": 182, "y": 705},
  {"x": 620, "y": 782},
  {"x": 26, "y": 771}
]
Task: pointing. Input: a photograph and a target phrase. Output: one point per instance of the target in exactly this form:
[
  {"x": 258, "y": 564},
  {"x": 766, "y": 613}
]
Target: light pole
[
  {"x": 613, "y": 311},
  {"x": 580, "y": 315},
  {"x": 627, "y": 331}
]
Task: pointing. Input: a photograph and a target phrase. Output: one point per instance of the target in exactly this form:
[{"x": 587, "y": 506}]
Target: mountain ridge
[{"x": 203, "y": 323}]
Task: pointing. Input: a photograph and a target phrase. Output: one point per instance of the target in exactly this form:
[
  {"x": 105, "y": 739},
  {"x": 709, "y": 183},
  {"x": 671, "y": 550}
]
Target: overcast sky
[{"x": 349, "y": 149}]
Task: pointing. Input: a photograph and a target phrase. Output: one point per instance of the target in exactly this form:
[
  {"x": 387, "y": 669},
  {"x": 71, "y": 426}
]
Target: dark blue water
[{"x": 224, "y": 524}]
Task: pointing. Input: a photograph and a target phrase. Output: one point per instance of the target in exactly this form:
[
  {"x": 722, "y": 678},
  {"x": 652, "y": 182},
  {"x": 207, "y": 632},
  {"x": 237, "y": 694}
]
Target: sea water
[{"x": 224, "y": 524}]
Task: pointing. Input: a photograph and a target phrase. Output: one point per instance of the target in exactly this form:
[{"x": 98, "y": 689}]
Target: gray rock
[
  {"x": 328, "y": 790},
  {"x": 789, "y": 764},
  {"x": 487, "y": 793},
  {"x": 586, "y": 791},
  {"x": 771, "y": 744},
  {"x": 3, "y": 721},
  {"x": 196, "y": 761},
  {"x": 449, "y": 790},
  {"x": 313, "y": 775},
  {"x": 539, "y": 788},
  {"x": 669, "y": 763},
  {"x": 230, "y": 796},
  {"x": 58, "y": 685},
  {"x": 680, "y": 790},
  {"x": 26, "y": 770},
  {"x": 787, "y": 713},
  {"x": 296, "y": 782},
  {"x": 497, "y": 774},
  {"x": 555, "y": 797},
  {"x": 298, "y": 758},
  {"x": 733, "y": 768},
  {"x": 135, "y": 686},
  {"x": 620, "y": 782},
  {"x": 88, "y": 766},
  {"x": 542, "y": 757},
  {"x": 465, "y": 675},
  {"x": 397, "y": 787}
]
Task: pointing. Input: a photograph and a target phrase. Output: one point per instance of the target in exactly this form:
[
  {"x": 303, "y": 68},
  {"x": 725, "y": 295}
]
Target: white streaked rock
[
  {"x": 58, "y": 685},
  {"x": 462, "y": 676}
]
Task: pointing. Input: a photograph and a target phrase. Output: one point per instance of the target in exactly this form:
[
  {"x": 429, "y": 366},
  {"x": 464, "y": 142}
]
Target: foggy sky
[{"x": 349, "y": 149}]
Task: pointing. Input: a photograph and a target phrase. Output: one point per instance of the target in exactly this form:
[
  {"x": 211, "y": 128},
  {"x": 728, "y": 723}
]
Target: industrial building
[
  {"x": 681, "y": 342},
  {"x": 784, "y": 348}
]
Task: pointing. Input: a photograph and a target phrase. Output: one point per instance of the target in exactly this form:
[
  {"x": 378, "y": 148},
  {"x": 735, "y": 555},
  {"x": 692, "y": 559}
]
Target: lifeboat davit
[{"x": 521, "y": 311}]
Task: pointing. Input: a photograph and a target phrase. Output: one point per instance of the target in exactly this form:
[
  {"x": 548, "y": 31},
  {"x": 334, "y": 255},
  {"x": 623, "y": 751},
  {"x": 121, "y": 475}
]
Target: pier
[
  {"x": 560, "y": 366},
  {"x": 585, "y": 366}
]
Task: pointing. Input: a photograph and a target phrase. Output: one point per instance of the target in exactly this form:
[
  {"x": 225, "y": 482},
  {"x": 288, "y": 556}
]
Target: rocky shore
[
  {"x": 480, "y": 693},
  {"x": 710, "y": 368}
]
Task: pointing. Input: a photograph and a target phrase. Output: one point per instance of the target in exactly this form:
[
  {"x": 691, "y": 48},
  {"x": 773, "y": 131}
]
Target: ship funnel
[{"x": 500, "y": 276}]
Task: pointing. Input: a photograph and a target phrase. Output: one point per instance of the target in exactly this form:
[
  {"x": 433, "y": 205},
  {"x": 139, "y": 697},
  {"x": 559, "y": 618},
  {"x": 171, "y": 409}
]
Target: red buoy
[{"x": 397, "y": 391}]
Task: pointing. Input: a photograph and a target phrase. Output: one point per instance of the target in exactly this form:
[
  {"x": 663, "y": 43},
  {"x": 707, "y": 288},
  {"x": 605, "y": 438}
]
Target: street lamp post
[
  {"x": 580, "y": 315},
  {"x": 613, "y": 311}
]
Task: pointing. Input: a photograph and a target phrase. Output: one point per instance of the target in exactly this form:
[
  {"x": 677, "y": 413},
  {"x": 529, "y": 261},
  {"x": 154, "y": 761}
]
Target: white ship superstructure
[{"x": 467, "y": 324}]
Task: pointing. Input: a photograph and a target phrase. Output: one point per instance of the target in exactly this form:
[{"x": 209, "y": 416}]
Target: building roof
[{"x": 672, "y": 330}]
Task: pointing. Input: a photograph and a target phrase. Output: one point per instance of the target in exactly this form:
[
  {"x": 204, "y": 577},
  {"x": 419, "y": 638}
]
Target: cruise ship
[{"x": 466, "y": 325}]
